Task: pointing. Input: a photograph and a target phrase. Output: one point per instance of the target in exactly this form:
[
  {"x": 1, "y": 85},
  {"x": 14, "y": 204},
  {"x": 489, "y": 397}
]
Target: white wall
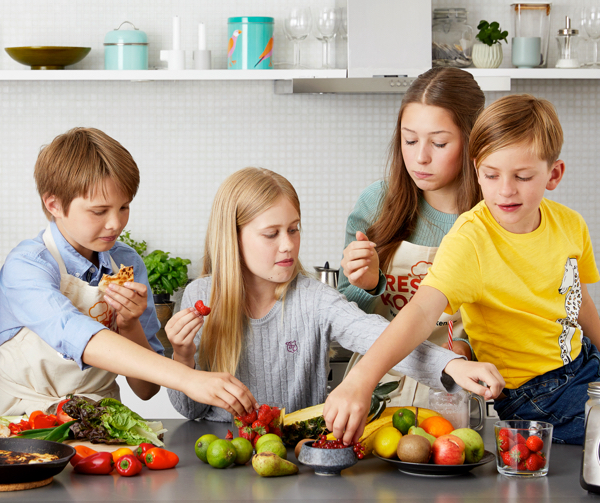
[{"x": 188, "y": 136}]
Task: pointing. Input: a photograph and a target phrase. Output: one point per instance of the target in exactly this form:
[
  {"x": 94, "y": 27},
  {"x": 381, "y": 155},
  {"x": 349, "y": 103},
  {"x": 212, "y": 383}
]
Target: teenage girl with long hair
[
  {"x": 270, "y": 325},
  {"x": 393, "y": 233}
]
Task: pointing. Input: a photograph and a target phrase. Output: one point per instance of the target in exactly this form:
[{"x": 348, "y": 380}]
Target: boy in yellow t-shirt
[{"x": 516, "y": 265}]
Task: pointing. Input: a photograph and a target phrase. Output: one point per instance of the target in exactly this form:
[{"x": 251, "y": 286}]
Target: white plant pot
[{"x": 485, "y": 56}]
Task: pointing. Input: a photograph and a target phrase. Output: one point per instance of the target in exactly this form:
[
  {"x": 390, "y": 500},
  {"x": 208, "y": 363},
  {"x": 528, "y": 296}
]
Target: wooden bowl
[{"x": 48, "y": 58}]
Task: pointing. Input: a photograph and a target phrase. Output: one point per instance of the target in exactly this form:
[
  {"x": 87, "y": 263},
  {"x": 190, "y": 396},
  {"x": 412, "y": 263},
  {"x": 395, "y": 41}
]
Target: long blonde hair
[
  {"x": 242, "y": 197},
  {"x": 457, "y": 92}
]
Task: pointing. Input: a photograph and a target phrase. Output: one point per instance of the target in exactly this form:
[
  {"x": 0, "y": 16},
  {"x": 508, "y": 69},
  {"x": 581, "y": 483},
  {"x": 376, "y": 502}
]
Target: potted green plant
[
  {"x": 487, "y": 52},
  {"x": 166, "y": 275}
]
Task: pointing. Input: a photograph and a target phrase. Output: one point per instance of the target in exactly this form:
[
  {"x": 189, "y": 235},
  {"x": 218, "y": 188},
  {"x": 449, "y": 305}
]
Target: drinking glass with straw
[{"x": 450, "y": 330}]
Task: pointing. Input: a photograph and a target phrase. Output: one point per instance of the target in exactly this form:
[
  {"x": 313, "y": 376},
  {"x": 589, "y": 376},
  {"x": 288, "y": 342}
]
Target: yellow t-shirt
[{"x": 519, "y": 294}]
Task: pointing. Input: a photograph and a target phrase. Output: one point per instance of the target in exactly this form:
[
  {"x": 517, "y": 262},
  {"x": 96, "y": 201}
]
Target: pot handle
[{"x": 126, "y": 22}]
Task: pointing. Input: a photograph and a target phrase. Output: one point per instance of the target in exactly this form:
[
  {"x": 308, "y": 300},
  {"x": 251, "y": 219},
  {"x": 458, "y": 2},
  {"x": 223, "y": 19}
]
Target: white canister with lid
[
  {"x": 126, "y": 49},
  {"x": 594, "y": 397}
]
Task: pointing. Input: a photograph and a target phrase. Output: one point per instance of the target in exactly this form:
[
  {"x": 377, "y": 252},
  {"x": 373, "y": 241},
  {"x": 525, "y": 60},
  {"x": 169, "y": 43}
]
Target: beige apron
[
  {"x": 408, "y": 269},
  {"x": 33, "y": 375}
]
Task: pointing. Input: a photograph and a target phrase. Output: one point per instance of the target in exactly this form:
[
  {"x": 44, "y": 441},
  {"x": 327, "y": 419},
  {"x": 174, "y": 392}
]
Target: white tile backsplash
[{"x": 188, "y": 136}]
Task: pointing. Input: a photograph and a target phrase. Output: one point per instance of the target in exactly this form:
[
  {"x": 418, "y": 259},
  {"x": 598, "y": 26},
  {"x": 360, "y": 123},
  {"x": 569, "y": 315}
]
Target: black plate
[
  {"x": 18, "y": 473},
  {"x": 431, "y": 470}
]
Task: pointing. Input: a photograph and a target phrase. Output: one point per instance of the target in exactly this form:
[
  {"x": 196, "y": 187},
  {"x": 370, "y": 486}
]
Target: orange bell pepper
[
  {"x": 119, "y": 453},
  {"x": 161, "y": 459},
  {"x": 81, "y": 452}
]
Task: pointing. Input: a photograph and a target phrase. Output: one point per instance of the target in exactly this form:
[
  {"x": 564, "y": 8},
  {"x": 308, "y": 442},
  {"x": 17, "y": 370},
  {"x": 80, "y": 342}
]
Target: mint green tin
[{"x": 250, "y": 43}]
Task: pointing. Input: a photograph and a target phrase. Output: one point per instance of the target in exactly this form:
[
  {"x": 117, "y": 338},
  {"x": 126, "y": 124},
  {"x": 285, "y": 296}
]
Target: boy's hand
[
  {"x": 221, "y": 390},
  {"x": 129, "y": 301},
  {"x": 346, "y": 408},
  {"x": 181, "y": 330},
  {"x": 468, "y": 374},
  {"x": 460, "y": 348},
  {"x": 361, "y": 263}
]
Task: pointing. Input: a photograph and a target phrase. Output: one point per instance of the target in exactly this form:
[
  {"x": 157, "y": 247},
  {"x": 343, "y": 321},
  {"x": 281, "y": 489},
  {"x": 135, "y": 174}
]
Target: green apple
[
  {"x": 415, "y": 430},
  {"x": 474, "y": 448}
]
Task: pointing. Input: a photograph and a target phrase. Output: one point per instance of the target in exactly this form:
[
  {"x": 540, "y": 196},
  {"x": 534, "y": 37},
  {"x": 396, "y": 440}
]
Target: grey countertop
[{"x": 369, "y": 480}]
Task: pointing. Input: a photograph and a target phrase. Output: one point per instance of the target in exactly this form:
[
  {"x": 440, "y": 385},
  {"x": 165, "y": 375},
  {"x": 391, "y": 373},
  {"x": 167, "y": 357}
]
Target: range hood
[{"x": 388, "y": 46}]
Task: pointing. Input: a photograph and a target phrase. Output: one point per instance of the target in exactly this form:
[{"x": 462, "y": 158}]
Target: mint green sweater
[{"x": 432, "y": 226}]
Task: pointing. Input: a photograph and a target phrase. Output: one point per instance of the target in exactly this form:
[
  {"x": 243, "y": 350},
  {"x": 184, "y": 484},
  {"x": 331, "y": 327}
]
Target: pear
[
  {"x": 415, "y": 430},
  {"x": 267, "y": 464}
]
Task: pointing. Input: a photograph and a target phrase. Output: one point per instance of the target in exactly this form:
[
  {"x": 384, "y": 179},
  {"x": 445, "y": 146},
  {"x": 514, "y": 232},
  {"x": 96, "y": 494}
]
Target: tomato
[{"x": 61, "y": 417}]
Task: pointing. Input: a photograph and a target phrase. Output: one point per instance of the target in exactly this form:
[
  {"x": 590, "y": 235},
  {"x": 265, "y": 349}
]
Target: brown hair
[
  {"x": 242, "y": 196},
  {"x": 457, "y": 92},
  {"x": 517, "y": 119},
  {"x": 77, "y": 162}
]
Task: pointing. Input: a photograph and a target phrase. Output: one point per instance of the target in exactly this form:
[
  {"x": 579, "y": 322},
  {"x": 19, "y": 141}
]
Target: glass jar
[
  {"x": 594, "y": 397},
  {"x": 452, "y": 38}
]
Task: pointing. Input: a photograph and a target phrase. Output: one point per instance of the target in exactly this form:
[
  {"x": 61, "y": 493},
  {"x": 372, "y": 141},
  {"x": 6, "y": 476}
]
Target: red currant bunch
[
  {"x": 359, "y": 450},
  {"x": 323, "y": 443}
]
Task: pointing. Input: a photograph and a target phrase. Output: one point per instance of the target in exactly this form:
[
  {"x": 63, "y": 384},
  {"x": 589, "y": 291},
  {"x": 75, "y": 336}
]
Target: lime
[
  {"x": 386, "y": 441},
  {"x": 267, "y": 438},
  {"x": 202, "y": 444},
  {"x": 221, "y": 454},
  {"x": 274, "y": 446},
  {"x": 243, "y": 448},
  {"x": 403, "y": 419}
]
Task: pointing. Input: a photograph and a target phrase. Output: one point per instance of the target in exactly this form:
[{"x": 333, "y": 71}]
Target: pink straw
[{"x": 450, "y": 335}]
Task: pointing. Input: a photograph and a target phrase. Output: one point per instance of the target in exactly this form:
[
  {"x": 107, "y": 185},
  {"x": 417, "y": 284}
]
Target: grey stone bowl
[{"x": 327, "y": 461}]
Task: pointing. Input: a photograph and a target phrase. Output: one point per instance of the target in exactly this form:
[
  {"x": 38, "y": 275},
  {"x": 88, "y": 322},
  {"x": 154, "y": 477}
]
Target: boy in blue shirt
[{"x": 59, "y": 332}]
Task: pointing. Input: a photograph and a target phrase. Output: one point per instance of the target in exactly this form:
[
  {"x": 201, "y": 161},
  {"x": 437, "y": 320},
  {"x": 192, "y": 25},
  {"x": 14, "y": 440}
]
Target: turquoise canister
[
  {"x": 250, "y": 43},
  {"x": 126, "y": 49}
]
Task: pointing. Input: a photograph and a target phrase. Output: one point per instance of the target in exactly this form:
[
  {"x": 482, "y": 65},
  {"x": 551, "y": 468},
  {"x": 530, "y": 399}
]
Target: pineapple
[{"x": 309, "y": 422}]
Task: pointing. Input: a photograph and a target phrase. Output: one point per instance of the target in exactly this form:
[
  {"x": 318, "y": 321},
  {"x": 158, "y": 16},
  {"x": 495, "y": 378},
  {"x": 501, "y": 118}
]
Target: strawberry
[
  {"x": 201, "y": 308},
  {"x": 519, "y": 452},
  {"x": 246, "y": 419},
  {"x": 506, "y": 458},
  {"x": 534, "y": 443},
  {"x": 519, "y": 439},
  {"x": 535, "y": 462},
  {"x": 255, "y": 439},
  {"x": 275, "y": 413},
  {"x": 247, "y": 433},
  {"x": 522, "y": 466},
  {"x": 264, "y": 413},
  {"x": 229, "y": 435},
  {"x": 504, "y": 443},
  {"x": 275, "y": 430},
  {"x": 505, "y": 432},
  {"x": 260, "y": 428}
]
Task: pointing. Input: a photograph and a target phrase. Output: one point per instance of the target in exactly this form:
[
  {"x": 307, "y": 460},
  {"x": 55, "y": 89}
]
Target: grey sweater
[{"x": 285, "y": 359}]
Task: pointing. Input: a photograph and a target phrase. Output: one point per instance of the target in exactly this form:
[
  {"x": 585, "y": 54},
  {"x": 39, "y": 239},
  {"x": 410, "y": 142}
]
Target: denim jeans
[{"x": 557, "y": 397}]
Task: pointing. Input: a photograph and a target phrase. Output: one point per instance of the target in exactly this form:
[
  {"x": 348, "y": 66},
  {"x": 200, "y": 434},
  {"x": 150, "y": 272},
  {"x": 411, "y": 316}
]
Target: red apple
[{"x": 448, "y": 450}]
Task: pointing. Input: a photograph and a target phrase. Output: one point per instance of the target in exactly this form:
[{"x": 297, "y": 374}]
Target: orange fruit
[{"x": 437, "y": 426}]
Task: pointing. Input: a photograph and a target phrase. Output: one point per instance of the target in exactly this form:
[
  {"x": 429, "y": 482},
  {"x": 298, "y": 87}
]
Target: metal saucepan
[{"x": 19, "y": 473}]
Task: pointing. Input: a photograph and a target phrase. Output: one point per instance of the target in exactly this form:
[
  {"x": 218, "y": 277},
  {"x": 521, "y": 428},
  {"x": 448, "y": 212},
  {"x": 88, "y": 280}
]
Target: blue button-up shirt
[{"x": 30, "y": 294}]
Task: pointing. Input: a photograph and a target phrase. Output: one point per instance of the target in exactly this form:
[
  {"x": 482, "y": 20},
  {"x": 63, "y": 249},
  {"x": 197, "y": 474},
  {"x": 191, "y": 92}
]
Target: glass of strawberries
[
  {"x": 523, "y": 447},
  {"x": 268, "y": 418}
]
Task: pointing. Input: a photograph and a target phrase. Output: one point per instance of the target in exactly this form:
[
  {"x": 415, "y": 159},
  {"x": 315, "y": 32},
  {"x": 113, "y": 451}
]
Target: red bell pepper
[
  {"x": 61, "y": 416},
  {"x": 128, "y": 465},
  {"x": 16, "y": 428},
  {"x": 81, "y": 452},
  {"x": 100, "y": 463},
  {"x": 161, "y": 459},
  {"x": 44, "y": 421},
  {"x": 140, "y": 452}
]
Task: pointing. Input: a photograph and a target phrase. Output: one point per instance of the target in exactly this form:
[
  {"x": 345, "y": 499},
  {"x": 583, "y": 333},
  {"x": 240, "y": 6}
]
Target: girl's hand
[
  {"x": 361, "y": 263},
  {"x": 460, "y": 348},
  {"x": 129, "y": 301},
  {"x": 181, "y": 330},
  {"x": 468, "y": 374},
  {"x": 221, "y": 389},
  {"x": 346, "y": 410}
]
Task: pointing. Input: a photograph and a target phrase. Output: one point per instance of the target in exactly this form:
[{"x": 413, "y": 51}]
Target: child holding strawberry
[
  {"x": 271, "y": 326},
  {"x": 516, "y": 265}
]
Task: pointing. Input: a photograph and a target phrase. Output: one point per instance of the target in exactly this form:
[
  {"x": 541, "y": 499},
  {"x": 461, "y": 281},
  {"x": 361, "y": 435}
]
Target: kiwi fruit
[
  {"x": 414, "y": 449},
  {"x": 300, "y": 444}
]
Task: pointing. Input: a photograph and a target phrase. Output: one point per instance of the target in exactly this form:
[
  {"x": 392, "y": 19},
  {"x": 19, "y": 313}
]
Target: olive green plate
[{"x": 47, "y": 58}]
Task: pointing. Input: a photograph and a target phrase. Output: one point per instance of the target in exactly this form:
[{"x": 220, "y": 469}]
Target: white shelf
[
  {"x": 537, "y": 73},
  {"x": 151, "y": 75}
]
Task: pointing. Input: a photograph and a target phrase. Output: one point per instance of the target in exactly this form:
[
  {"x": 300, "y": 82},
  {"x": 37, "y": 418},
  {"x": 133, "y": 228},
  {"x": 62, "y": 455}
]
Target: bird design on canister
[
  {"x": 231, "y": 47},
  {"x": 266, "y": 53}
]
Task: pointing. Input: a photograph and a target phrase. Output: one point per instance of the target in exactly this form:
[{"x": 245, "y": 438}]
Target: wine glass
[
  {"x": 590, "y": 21},
  {"x": 296, "y": 27},
  {"x": 327, "y": 23}
]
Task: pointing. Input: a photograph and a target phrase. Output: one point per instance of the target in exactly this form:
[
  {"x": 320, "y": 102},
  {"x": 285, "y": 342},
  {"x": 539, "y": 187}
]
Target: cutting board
[{"x": 100, "y": 447}]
